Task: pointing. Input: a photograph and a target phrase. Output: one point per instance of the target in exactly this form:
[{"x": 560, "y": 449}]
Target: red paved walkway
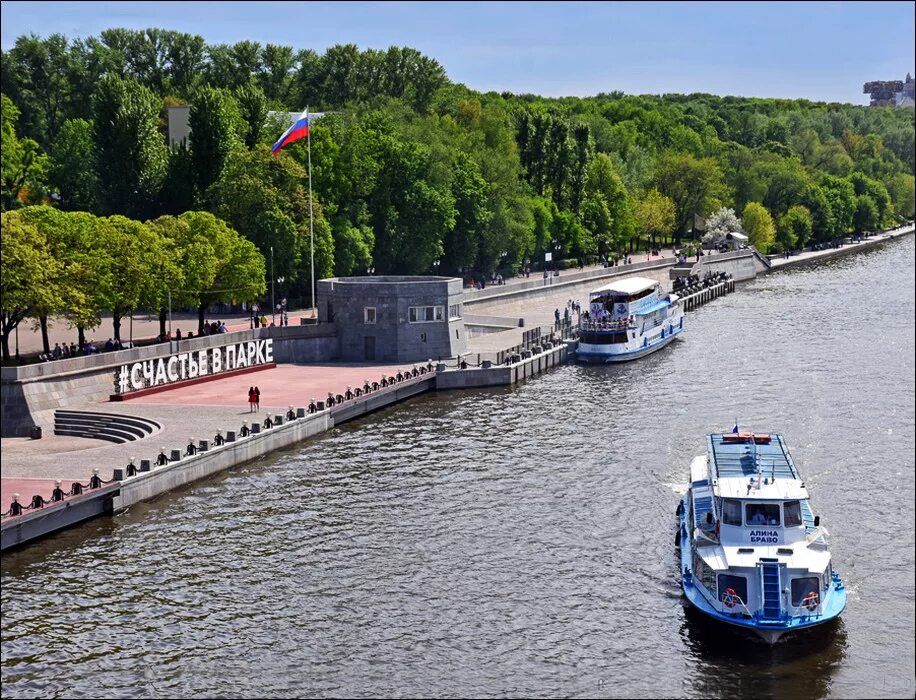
[{"x": 285, "y": 385}]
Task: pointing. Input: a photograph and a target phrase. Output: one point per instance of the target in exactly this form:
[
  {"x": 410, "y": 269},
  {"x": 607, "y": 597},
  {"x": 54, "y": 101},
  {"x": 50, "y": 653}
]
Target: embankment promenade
[{"x": 139, "y": 446}]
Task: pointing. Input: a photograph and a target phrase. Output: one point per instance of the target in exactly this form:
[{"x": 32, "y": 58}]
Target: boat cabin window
[
  {"x": 731, "y": 511},
  {"x": 762, "y": 514},
  {"x": 793, "y": 516},
  {"x": 730, "y": 586},
  {"x": 802, "y": 587}
]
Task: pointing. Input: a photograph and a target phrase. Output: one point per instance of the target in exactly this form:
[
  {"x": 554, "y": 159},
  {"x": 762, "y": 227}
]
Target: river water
[{"x": 512, "y": 542}]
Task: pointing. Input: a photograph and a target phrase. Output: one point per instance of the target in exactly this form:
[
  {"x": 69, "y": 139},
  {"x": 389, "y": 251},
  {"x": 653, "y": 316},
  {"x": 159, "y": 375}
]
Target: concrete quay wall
[
  {"x": 778, "y": 261},
  {"x": 58, "y": 516},
  {"x": 160, "y": 479},
  {"x": 742, "y": 265},
  {"x": 502, "y": 375}
]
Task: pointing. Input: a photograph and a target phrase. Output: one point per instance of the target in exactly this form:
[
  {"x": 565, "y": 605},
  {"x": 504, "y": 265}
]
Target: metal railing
[
  {"x": 737, "y": 603},
  {"x": 534, "y": 340},
  {"x": 621, "y": 325}
]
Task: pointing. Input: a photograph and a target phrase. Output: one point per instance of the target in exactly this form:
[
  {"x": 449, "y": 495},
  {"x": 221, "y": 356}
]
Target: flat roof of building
[{"x": 389, "y": 279}]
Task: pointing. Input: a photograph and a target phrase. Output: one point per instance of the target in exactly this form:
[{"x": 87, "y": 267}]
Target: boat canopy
[{"x": 625, "y": 287}]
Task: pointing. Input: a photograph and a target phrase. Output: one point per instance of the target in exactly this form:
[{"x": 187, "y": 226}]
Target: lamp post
[
  {"x": 370, "y": 270},
  {"x": 436, "y": 267},
  {"x": 556, "y": 253},
  {"x": 273, "y": 299}
]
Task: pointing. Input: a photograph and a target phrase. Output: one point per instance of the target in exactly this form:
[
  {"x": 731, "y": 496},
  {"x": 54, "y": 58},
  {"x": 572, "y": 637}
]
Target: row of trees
[
  {"x": 412, "y": 172},
  {"x": 74, "y": 266}
]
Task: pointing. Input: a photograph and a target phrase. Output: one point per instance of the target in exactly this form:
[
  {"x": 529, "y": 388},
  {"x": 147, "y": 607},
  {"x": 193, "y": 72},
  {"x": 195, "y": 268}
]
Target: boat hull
[
  {"x": 769, "y": 631},
  {"x": 592, "y": 357}
]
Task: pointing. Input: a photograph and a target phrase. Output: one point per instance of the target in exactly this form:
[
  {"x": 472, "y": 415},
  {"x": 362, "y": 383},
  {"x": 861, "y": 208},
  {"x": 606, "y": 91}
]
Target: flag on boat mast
[{"x": 735, "y": 429}]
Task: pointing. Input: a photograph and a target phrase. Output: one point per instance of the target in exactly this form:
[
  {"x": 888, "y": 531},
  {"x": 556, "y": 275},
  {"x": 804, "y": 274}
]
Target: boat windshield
[
  {"x": 762, "y": 514},
  {"x": 731, "y": 512},
  {"x": 793, "y": 516}
]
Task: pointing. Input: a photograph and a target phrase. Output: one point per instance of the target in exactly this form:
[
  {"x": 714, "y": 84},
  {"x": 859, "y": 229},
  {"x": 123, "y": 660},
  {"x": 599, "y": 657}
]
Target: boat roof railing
[{"x": 742, "y": 455}]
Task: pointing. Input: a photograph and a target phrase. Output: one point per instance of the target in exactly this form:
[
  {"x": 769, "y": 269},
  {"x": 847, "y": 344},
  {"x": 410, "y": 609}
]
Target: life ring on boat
[
  {"x": 811, "y": 601},
  {"x": 729, "y": 597}
]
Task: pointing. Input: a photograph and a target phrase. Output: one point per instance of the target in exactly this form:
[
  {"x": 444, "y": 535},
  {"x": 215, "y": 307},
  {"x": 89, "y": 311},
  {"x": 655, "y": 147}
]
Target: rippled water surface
[{"x": 512, "y": 542}]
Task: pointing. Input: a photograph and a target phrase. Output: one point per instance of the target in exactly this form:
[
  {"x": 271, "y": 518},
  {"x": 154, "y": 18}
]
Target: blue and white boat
[
  {"x": 626, "y": 320},
  {"x": 752, "y": 553}
]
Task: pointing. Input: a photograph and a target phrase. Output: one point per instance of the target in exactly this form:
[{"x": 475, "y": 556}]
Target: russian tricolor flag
[{"x": 297, "y": 131}]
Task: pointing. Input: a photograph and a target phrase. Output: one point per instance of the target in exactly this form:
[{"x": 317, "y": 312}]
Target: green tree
[
  {"x": 695, "y": 185},
  {"x": 40, "y": 71},
  {"x": 179, "y": 184},
  {"x": 794, "y": 229},
  {"x": 72, "y": 174},
  {"x": 29, "y": 278},
  {"x": 607, "y": 206},
  {"x": 178, "y": 267},
  {"x": 216, "y": 125},
  {"x": 902, "y": 190},
  {"x": 252, "y": 106},
  {"x": 410, "y": 214},
  {"x": 136, "y": 257},
  {"x": 83, "y": 272},
  {"x": 231, "y": 270},
  {"x": 464, "y": 242},
  {"x": 759, "y": 226},
  {"x": 655, "y": 215},
  {"x": 866, "y": 216},
  {"x": 131, "y": 155},
  {"x": 24, "y": 166},
  {"x": 841, "y": 197}
]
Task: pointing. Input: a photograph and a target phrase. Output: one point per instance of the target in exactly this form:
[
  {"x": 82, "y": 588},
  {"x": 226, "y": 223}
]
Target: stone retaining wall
[
  {"x": 158, "y": 480},
  {"x": 30, "y": 394}
]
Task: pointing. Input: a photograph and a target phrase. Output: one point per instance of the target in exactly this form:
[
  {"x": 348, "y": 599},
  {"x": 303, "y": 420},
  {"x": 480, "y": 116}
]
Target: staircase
[
  {"x": 808, "y": 517},
  {"x": 770, "y": 578},
  {"x": 112, "y": 427}
]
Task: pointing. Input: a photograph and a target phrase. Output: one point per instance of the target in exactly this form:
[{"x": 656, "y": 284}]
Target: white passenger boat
[
  {"x": 752, "y": 553},
  {"x": 628, "y": 319}
]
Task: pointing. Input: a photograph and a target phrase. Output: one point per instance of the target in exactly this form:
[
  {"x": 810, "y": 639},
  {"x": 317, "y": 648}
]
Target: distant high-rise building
[{"x": 891, "y": 93}]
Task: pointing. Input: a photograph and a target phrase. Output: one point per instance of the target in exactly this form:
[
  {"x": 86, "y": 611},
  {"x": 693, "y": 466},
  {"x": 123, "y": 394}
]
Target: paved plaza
[{"x": 195, "y": 411}]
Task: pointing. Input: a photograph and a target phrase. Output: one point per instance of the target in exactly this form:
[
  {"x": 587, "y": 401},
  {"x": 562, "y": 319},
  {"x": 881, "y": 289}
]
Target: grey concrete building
[
  {"x": 180, "y": 128},
  {"x": 394, "y": 318}
]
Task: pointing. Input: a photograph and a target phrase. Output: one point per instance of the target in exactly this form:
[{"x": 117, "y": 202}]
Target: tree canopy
[{"x": 412, "y": 172}]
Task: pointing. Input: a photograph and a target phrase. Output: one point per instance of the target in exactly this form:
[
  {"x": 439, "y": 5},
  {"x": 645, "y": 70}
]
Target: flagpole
[{"x": 311, "y": 218}]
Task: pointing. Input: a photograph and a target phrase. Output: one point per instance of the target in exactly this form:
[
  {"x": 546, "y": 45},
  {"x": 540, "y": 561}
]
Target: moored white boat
[
  {"x": 626, "y": 320},
  {"x": 752, "y": 553}
]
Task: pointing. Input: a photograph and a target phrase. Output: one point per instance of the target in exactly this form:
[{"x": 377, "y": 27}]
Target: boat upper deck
[
  {"x": 625, "y": 287},
  {"x": 736, "y": 460}
]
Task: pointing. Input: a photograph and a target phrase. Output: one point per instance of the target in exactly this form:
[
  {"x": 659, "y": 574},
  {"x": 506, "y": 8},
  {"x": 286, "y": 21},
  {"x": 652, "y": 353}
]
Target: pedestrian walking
[
  {"x": 257, "y": 399},
  {"x": 251, "y": 399}
]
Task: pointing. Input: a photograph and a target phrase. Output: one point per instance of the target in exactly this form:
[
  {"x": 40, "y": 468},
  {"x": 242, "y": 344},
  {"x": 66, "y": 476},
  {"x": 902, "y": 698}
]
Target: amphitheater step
[{"x": 113, "y": 427}]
